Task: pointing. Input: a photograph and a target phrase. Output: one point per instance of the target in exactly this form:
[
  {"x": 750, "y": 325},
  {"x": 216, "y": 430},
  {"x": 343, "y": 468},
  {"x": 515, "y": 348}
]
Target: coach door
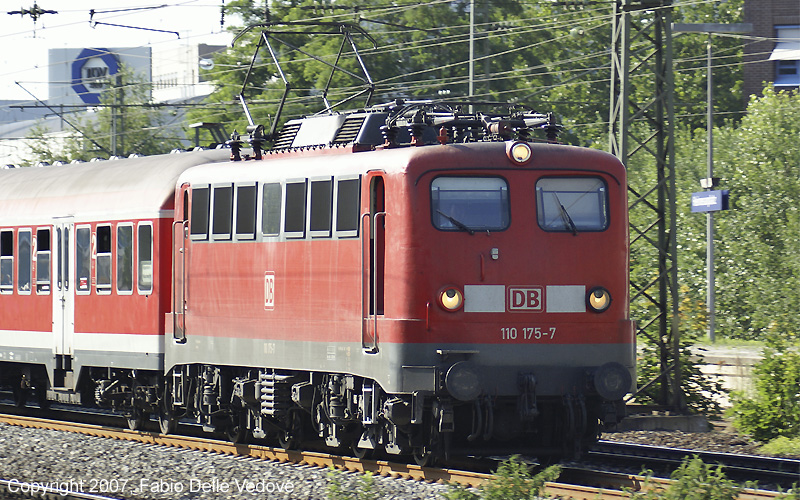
[
  {"x": 373, "y": 246},
  {"x": 63, "y": 272},
  {"x": 180, "y": 236}
]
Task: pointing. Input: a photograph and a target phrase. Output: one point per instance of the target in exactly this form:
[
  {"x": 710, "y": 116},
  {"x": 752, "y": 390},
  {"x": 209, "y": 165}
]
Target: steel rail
[{"x": 591, "y": 485}]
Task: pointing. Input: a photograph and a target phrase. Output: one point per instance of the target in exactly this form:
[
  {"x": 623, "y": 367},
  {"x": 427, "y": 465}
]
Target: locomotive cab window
[
  {"x": 103, "y": 265},
  {"x": 6, "y": 262},
  {"x": 572, "y": 204},
  {"x": 43, "y": 261},
  {"x": 222, "y": 218},
  {"x": 246, "y": 212},
  {"x": 199, "y": 219},
  {"x": 271, "y": 209},
  {"x": 470, "y": 204},
  {"x": 347, "y": 207},
  {"x": 319, "y": 224},
  {"x": 295, "y": 210}
]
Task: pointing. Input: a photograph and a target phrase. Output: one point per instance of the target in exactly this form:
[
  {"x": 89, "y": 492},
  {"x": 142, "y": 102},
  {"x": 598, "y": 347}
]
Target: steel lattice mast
[{"x": 642, "y": 120}]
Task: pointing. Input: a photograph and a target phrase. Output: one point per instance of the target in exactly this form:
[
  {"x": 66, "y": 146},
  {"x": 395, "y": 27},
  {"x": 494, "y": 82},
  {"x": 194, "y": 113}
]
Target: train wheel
[
  {"x": 167, "y": 422},
  {"x": 237, "y": 430},
  {"x": 291, "y": 437},
  {"x": 136, "y": 419}
]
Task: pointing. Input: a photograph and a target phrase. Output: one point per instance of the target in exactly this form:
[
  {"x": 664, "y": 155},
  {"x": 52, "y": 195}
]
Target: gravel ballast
[{"x": 130, "y": 470}]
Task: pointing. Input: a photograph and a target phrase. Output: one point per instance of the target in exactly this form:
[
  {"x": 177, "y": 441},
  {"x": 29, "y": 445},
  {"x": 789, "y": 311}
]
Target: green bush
[
  {"x": 366, "y": 489},
  {"x": 774, "y": 408},
  {"x": 782, "y": 446},
  {"x": 512, "y": 481},
  {"x": 693, "y": 480}
]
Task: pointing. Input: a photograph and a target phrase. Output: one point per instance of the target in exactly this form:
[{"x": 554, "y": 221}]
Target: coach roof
[{"x": 96, "y": 190}]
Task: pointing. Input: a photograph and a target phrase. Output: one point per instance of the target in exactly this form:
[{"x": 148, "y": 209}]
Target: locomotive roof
[{"x": 136, "y": 187}]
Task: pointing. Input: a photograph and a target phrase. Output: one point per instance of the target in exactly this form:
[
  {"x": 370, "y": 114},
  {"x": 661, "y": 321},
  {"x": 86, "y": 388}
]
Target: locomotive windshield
[
  {"x": 470, "y": 204},
  {"x": 572, "y": 204}
]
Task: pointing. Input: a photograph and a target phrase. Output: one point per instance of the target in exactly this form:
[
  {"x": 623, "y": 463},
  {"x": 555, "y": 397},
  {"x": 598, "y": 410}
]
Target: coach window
[
  {"x": 6, "y": 262},
  {"x": 199, "y": 220},
  {"x": 321, "y": 208},
  {"x": 271, "y": 209},
  {"x": 24, "y": 261},
  {"x": 295, "y": 219},
  {"x": 222, "y": 213},
  {"x": 145, "y": 258},
  {"x": 103, "y": 265},
  {"x": 83, "y": 259},
  {"x": 572, "y": 204},
  {"x": 347, "y": 205},
  {"x": 470, "y": 204},
  {"x": 246, "y": 212},
  {"x": 124, "y": 259},
  {"x": 43, "y": 261}
]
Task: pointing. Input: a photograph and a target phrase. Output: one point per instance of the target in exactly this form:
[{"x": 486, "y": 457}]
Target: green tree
[
  {"x": 756, "y": 241},
  {"x": 126, "y": 122}
]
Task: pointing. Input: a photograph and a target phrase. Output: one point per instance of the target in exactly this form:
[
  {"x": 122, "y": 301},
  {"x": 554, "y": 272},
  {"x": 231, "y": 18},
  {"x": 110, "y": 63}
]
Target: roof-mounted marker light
[{"x": 519, "y": 152}]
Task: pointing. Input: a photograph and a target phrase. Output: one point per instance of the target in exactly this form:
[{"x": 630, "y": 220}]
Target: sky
[{"x": 24, "y": 45}]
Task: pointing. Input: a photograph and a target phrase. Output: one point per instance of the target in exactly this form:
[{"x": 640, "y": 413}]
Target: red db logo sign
[{"x": 525, "y": 299}]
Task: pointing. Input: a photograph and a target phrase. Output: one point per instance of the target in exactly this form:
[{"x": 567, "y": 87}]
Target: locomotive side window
[
  {"x": 295, "y": 209},
  {"x": 222, "y": 213},
  {"x": 470, "y": 204},
  {"x": 124, "y": 259},
  {"x": 83, "y": 259},
  {"x": 199, "y": 220},
  {"x": 321, "y": 208},
  {"x": 246, "y": 212},
  {"x": 43, "y": 261},
  {"x": 6, "y": 262},
  {"x": 145, "y": 258},
  {"x": 347, "y": 191},
  {"x": 271, "y": 210},
  {"x": 572, "y": 204},
  {"x": 24, "y": 261},
  {"x": 103, "y": 265}
]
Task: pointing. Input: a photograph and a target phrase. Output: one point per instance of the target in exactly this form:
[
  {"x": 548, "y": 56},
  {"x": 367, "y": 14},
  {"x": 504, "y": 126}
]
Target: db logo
[
  {"x": 269, "y": 291},
  {"x": 525, "y": 299}
]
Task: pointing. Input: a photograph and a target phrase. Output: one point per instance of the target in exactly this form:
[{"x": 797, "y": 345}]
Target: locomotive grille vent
[
  {"x": 286, "y": 136},
  {"x": 350, "y": 129}
]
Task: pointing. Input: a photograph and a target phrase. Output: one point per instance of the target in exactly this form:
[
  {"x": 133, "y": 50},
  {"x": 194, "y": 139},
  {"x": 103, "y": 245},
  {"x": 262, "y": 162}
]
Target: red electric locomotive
[{"x": 405, "y": 278}]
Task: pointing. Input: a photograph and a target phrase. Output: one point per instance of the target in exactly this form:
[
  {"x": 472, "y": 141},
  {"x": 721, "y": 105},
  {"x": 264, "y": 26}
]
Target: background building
[
  {"x": 77, "y": 77},
  {"x": 774, "y": 56}
]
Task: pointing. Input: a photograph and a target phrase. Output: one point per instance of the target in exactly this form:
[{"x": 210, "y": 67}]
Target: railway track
[
  {"x": 576, "y": 484},
  {"x": 782, "y": 472}
]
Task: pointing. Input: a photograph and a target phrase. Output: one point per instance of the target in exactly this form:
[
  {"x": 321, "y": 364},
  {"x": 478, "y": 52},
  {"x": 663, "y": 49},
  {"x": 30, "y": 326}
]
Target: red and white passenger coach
[{"x": 393, "y": 279}]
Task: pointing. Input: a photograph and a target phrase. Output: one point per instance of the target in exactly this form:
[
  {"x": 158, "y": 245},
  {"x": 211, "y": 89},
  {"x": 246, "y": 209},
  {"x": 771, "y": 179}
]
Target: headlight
[
  {"x": 612, "y": 381},
  {"x": 520, "y": 153},
  {"x": 598, "y": 299},
  {"x": 451, "y": 299}
]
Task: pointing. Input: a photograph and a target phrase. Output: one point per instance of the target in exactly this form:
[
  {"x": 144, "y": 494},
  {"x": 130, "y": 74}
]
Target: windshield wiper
[
  {"x": 568, "y": 223},
  {"x": 456, "y": 222}
]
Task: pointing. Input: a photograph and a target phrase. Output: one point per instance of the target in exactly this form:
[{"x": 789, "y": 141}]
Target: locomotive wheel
[
  {"x": 422, "y": 458},
  {"x": 167, "y": 422},
  {"x": 291, "y": 437},
  {"x": 360, "y": 453}
]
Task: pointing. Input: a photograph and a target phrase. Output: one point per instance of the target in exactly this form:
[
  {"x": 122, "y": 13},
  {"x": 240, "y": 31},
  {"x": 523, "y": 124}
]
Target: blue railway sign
[{"x": 710, "y": 201}]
